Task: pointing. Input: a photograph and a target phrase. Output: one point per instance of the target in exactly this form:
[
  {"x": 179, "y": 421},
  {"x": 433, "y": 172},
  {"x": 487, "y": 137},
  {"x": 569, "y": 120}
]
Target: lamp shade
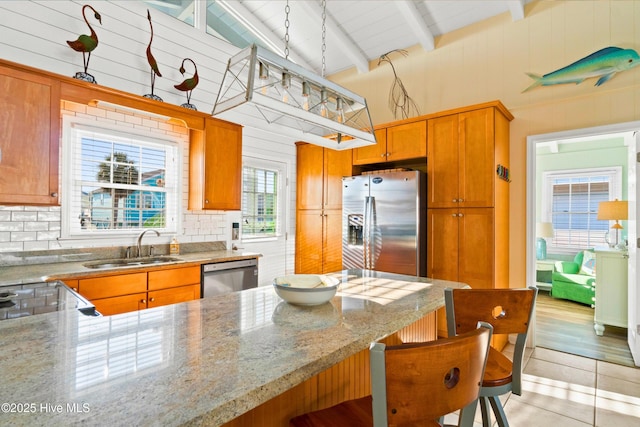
[
  {"x": 615, "y": 210},
  {"x": 544, "y": 229}
]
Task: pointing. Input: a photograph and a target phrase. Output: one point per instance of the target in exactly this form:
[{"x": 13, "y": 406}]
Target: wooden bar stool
[
  {"x": 509, "y": 311},
  {"x": 415, "y": 385}
]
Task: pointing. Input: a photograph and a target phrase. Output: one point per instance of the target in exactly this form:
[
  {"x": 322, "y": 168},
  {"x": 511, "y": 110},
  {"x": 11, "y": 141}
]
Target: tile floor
[{"x": 563, "y": 390}]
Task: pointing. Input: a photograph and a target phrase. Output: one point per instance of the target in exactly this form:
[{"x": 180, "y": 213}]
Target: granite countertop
[
  {"x": 201, "y": 362},
  {"x": 71, "y": 266}
]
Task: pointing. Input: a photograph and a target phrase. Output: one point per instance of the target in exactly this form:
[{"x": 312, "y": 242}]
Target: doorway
[{"x": 555, "y": 314}]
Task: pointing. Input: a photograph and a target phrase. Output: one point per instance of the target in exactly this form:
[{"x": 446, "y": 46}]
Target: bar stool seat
[
  {"x": 509, "y": 311},
  {"x": 415, "y": 385}
]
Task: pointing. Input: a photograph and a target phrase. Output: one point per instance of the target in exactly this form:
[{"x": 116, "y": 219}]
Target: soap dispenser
[{"x": 174, "y": 246}]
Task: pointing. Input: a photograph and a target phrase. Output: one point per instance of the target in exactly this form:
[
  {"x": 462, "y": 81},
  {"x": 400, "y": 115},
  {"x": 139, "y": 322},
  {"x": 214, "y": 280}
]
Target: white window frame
[
  {"x": 73, "y": 128},
  {"x": 281, "y": 169},
  {"x": 615, "y": 192}
]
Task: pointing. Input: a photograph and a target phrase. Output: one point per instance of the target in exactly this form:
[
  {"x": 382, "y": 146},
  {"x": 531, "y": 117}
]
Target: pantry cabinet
[
  {"x": 462, "y": 157},
  {"x": 468, "y": 199},
  {"x": 121, "y": 293},
  {"x": 319, "y": 208},
  {"x": 215, "y": 166},
  {"x": 29, "y": 145},
  {"x": 394, "y": 143}
]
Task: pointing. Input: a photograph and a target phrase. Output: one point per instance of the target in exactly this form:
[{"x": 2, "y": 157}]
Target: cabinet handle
[
  {"x": 75, "y": 289},
  {"x": 143, "y": 301},
  {"x": 455, "y": 200},
  {"x": 152, "y": 299},
  {"x": 206, "y": 200},
  {"x": 454, "y": 215},
  {"x": 460, "y": 214},
  {"x": 54, "y": 194},
  {"x": 460, "y": 200},
  {"x": 383, "y": 155}
]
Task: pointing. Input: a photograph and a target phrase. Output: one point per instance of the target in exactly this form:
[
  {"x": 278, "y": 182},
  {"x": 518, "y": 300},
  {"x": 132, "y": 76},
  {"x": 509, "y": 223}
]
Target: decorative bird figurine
[
  {"x": 153, "y": 63},
  {"x": 86, "y": 44},
  {"x": 188, "y": 84}
]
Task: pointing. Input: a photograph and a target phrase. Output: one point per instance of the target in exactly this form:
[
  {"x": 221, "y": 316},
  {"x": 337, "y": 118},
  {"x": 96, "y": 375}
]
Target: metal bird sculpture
[
  {"x": 188, "y": 84},
  {"x": 153, "y": 63},
  {"x": 399, "y": 98},
  {"x": 86, "y": 44}
]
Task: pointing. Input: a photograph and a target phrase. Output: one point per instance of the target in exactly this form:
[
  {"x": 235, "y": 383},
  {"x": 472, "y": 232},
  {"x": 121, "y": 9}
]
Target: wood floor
[{"x": 567, "y": 326}]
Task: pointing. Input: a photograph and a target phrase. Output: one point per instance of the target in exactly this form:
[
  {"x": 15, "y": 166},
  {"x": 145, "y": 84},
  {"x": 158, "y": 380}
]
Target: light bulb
[
  {"x": 263, "y": 74},
  {"x": 324, "y": 112},
  {"x": 340, "y": 110},
  {"x": 286, "y": 82},
  {"x": 306, "y": 90}
]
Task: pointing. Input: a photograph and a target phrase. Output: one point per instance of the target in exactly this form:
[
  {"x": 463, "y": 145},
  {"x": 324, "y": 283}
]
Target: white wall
[{"x": 34, "y": 33}]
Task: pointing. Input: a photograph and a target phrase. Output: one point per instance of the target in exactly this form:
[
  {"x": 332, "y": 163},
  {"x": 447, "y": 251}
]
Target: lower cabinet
[
  {"x": 122, "y": 293},
  {"x": 319, "y": 248},
  {"x": 611, "y": 289}
]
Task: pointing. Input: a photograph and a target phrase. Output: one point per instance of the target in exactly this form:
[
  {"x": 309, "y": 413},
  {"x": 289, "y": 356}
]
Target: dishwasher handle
[{"x": 229, "y": 265}]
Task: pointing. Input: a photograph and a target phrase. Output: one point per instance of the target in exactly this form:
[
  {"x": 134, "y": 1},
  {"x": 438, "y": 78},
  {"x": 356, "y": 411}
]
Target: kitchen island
[{"x": 204, "y": 362}]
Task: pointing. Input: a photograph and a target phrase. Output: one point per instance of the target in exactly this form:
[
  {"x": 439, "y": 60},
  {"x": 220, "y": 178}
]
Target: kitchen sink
[{"x": 127, "y": 262}]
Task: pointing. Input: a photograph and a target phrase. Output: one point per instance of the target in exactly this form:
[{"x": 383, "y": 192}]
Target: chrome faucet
[{"x": 140, "y": 240}]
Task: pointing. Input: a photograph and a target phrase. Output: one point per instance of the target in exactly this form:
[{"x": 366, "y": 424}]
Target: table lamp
[
  {"x": 543, "y": 229},
  {"x": 613, "y": 211}
]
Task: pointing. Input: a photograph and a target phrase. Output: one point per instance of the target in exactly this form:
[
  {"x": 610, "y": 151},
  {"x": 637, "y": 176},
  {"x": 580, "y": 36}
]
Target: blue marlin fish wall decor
[{"x": 604, "y": 64}]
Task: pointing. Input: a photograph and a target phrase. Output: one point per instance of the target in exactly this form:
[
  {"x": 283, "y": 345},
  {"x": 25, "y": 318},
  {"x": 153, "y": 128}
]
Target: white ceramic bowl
[{"x": 306, "y": 289}]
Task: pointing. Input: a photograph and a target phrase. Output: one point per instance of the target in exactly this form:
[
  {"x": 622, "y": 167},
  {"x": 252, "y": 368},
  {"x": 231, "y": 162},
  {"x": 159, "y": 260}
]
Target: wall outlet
[{"x": 235, "y": 231}]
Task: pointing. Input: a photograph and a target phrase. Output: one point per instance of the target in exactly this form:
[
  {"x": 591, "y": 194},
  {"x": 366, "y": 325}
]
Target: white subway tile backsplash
[
  {"x": 11, "y": 226},
  {"x": 23, "y": 236},
  {"x": 24, "y": 216},
  {"x": 36, "y": 226},
  {"x": 5, "y": 216}
]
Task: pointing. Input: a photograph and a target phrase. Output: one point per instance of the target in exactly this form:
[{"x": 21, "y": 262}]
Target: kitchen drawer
[
  {"x": 163, "y": 279},
  {"x": 120, "y": 304},
  {"x": 104, "y": 287},
  {"x": 173, "y": 295}
]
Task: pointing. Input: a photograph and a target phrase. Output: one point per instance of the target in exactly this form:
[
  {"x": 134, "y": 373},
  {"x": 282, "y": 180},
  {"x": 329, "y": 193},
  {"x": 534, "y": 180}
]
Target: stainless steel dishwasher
[{"x": 230, "y": 276}]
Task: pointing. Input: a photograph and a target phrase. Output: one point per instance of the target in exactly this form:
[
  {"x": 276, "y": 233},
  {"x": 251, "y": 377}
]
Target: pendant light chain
[
  {"x": 286, "y": 34},
  {"x": 324, "y": 35}
]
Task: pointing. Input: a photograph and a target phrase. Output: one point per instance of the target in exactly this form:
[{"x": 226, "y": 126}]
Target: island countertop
[{"x": 202, "y": 362}]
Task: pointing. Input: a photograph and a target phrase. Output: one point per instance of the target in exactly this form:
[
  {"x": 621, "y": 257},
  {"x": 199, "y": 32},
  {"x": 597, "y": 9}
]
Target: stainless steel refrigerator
[{"x": 384, "y": 222}]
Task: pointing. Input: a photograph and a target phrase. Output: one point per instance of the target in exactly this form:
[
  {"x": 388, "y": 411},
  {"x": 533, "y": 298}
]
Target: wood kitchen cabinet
[
  {"x": 398, "y": 142},
  {"x": 122, "y": 293},
  {"x": 463, "y": 152},
  {"x": 30, "y": 138},
  {"x": 468, "y": 203},
  {"x": 215, "y": 166},
  {"x": 319, "y": 208}
]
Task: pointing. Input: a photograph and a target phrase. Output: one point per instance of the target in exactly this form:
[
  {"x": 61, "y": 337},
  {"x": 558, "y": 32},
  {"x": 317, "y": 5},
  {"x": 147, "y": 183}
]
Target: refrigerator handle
[
  {"x": 365, "y": 234},
  {"x": 369, "y": 214}
]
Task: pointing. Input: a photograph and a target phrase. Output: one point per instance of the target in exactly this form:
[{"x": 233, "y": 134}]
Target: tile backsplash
[{"x": 32, "y": 228}]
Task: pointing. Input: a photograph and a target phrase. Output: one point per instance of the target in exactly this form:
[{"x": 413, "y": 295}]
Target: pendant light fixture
[{"x": 292, "y": 100}]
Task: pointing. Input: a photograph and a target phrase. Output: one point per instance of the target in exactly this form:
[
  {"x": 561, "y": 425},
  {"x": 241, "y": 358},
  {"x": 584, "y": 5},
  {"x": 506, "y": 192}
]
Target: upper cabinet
[
  {"x": 29, "y": 138},
  {"x": 398, "y": 142},
  {"x": 319, "y": 176},
  {"x": 463, "y": 153},
  {"x": 215, "y": 166}
]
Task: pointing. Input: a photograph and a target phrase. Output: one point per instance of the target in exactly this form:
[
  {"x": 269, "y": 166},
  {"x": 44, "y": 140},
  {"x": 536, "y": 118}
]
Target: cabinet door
[
  {"x": 110, "y": 286},
  {"x": 408, "y": 141},
  {"x": 477, "y": 160},
  {"x": 120, "y": 304},
  {"x": 309, "y": 242},
  {"x": 442, "y": 162},
  {"x": 337, "y": 164},
  {"x": 30, "y": 128},
  {"x": 442, "y": 244},
  {"x": 171, "y": 278},
  {"x": 223, "y": 166},
  {"x": 173, "y": 295},
  {"x": 476, "y": 248},
  {"x": 309, "y": 176},
  {"x": 332, "y": 241},
  {"x": 373, "y": 153}
]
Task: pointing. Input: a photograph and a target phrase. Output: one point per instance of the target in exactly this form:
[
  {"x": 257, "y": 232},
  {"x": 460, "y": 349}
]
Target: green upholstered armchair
[{"x": 570, "y": 281}]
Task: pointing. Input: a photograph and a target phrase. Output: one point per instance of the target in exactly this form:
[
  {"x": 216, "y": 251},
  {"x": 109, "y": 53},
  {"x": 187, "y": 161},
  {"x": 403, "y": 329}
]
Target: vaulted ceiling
[{"x": 357, "y": 31}]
